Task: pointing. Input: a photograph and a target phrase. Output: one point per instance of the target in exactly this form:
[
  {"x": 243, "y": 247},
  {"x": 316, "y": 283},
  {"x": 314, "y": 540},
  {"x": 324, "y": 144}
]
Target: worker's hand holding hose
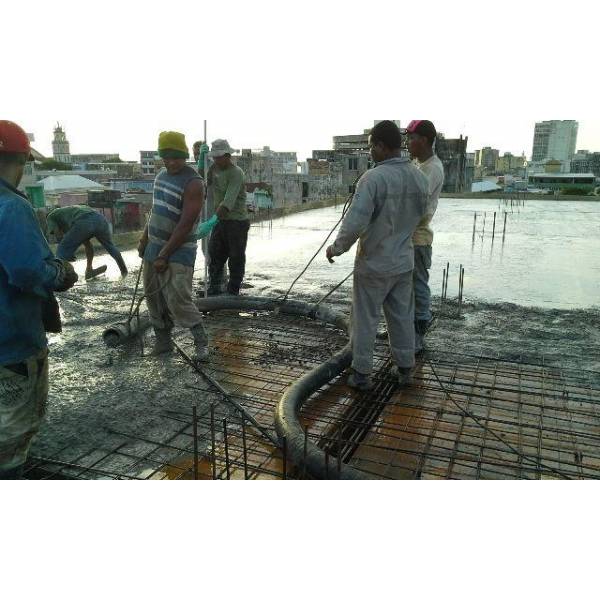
[
  {"x": 142, "y": 247},
  {"x": 161, "y": 264},
  {"x": 330, "y": 253}
]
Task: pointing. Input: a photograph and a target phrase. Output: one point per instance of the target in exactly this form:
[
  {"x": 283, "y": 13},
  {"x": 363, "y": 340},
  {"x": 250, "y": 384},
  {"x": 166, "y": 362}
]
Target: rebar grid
[{"x": 550, "y": 416}]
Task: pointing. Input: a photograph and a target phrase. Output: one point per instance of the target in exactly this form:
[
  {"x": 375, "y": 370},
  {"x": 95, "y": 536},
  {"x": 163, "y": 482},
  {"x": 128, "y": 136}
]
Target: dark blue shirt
[{"x": 28, "y": 273}]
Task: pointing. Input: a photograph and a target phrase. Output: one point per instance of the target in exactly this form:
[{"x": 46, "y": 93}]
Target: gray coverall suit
[{"x": 390, "y": 201}]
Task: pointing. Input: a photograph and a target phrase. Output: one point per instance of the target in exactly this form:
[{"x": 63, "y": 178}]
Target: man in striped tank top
[{"x": 168, "y": 247}]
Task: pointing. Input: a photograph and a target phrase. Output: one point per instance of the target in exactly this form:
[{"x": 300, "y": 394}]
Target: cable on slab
[{"x": 227, "y": 397}]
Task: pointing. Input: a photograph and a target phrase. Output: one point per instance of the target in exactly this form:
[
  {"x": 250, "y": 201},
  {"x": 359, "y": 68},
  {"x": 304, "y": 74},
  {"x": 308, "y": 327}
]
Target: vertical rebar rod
[
  {"x": 226, "y": 444},
  {"x": 494, "y": 228},
  {"x": 284, "y": 457},
  {"x": 195, "y": 434},
  {"x": 212, "y": 439},
  {"x": 339, "y": 451},
  {"x": 305, "y": 450},
  {"x": 484, "y": 220},
  {"x": 443, "y": 283},
  {"x": 504, "y": 230},
  {"x": 474, "y": 225},
  {"x": 244, "y": 446}
]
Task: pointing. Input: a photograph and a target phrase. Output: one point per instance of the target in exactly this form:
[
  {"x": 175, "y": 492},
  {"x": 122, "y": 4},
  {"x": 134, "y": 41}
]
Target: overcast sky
[{"x": 291, "y": 75}]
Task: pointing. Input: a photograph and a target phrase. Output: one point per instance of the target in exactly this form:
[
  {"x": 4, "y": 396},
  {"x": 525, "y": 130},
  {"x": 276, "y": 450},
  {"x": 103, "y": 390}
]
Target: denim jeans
[
  {"x": 421, "y": 283},
  {"x": 85, "y": 228}
]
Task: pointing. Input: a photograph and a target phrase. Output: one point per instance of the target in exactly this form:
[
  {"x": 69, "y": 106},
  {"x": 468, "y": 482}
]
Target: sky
[{"x": 292, "y": 75}]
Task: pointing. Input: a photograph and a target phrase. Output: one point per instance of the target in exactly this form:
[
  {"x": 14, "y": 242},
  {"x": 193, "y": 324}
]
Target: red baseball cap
[
  {"x": 14, "y": 139},
  {"x": 424, "y": 128}
]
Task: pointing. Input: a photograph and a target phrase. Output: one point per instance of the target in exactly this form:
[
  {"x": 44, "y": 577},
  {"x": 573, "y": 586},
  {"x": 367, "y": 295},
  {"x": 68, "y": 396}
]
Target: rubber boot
[
  {"x": 360, "y": 381},
  {"x": 201, "y": 350},
  {"x": 163, "y": 343},
  {"x": 403, "y": 375}
]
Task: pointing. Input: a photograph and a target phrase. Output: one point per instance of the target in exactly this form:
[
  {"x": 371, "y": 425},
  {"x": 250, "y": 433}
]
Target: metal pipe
[
  {"x": 118, "y": 334},
  {"x": 195, "y": 434}
]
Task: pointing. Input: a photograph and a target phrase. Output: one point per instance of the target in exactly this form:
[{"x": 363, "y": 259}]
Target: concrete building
[
  {"x": 554, "y": 140},
  {"x": 453, "y": 154},
  {"x": 127, "y": 185},
  {"x": 558, "y": 182},
  {"x": 485, "y": 160},
  {"x": 121, "y": 169},
  {"x": 586, "y": 162},
  {"x": 263, "y": 165},
  {"x": 85, "y": 160},
  {"x": 60, "y": 146},
  {"x": 510, "y": 164},
  {"x": 150, "y": 162}
]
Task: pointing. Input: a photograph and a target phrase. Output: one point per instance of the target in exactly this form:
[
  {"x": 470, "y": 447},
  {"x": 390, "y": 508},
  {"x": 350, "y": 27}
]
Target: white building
[
  {"x": 554, "y": 140},
  {"x": 60, "y": 146}
]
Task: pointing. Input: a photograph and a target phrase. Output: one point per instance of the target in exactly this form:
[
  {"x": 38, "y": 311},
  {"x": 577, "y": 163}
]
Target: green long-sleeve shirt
[{"x": 230, "y": 191}]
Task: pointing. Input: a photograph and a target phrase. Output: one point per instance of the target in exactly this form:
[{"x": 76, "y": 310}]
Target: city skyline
[{"x": 302, "y": 136}]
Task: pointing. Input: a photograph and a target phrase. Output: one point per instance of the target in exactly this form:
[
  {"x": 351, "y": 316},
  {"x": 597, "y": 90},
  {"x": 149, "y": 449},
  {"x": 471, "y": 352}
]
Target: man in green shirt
[
  {"x": 230, "y": 236},
  {"x": 74, "y": 226}
]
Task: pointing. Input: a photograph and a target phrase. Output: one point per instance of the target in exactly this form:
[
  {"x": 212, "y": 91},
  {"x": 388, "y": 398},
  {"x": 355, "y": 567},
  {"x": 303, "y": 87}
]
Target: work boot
[
  {"x": 163, "y": 343},
  {"x": 403, "y": 375},
  {"x": 91, "y": 273},
  {"x": 201, "y": 350},
  {"x": 360, "y": 381}
]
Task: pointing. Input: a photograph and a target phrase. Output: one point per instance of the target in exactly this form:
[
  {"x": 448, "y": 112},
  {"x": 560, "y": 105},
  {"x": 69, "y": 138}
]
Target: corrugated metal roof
[
  {"x": 484, "y": 186},
  {"x": 64, "y": 183}
]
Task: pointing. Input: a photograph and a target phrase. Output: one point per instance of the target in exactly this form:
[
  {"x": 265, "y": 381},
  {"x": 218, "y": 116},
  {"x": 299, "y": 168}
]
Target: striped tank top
[{"x": 167, "y": 205}]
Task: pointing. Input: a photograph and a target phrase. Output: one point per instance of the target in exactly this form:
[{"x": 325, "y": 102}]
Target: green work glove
[{"x": 204, "y": 229}]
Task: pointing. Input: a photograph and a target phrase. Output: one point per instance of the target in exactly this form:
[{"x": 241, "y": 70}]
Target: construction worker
[
  {"x": 229, "y": 238},
  {"x": 421, "y": 141},
  {"x": 29, "y": 274},
  {"x": 389, "y": 203},
  {"x": 168, "y": 247},
  {"x": 73, "y": 226}
]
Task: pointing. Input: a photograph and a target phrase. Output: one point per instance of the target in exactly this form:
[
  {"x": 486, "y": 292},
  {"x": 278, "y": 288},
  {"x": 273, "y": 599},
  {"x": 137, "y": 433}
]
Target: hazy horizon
[{"x": 302, "y": 136}]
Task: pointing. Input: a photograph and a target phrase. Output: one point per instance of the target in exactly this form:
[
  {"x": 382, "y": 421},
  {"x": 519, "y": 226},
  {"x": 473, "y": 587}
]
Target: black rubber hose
[
  {"x": 304, "y": 453},
  {"x": 287, "y": 422}
]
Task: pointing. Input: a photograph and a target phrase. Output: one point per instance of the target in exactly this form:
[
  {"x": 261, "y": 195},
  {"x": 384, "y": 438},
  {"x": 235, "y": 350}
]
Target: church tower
[{"x": 60, "y": 145}]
